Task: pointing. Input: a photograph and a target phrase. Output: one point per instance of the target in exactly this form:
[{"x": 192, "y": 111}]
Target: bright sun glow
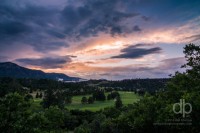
[{"x": 115, "y": 45}]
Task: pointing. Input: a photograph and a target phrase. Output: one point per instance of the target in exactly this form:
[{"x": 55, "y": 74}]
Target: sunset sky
[{"x": 95, "y": 39}]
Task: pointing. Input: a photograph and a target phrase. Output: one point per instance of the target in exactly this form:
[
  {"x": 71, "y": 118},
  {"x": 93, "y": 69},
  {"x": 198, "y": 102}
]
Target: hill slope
[{"x": 9, "y": 69}]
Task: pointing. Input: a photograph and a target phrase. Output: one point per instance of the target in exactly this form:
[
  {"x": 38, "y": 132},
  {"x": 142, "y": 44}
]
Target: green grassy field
[
  {"x": 36, "y": 104},
  {"x": 126, "y": 97}
]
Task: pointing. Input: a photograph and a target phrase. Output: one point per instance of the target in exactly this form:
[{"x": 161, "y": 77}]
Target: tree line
[{"x": 81, "y": 88}]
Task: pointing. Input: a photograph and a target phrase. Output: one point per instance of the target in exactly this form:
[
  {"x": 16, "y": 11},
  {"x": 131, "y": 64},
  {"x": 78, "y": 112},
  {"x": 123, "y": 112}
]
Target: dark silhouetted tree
[
  {"x": 14, "y": 113},
  {"x": 68, "y": 99},
  {"x": 90, "y": 100},
  {"x": 28, "y": 97},
  {"x": 41, "y": 95},
  {"x": 99, "y": 95},
  {"x": 118, "y": 102},
  {"x": 84, "y": 100},
  {"x": 37, "y": 95},
  {"x": 53, "y": 98}
]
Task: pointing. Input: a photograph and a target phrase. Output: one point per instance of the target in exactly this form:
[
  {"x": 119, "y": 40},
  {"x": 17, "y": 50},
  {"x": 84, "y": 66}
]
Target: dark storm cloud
[
  {"x": 46, "y": 62},
  {"x": 46, "y": 44},
  {"x": 25, "y": 12},
  {"x": 47, "y": 28},
  {"x": 95, "y": 16},
  {"x": 12, "y": 28},
  {"x": 117, "y": 17},
  {"x": 136, "y": 28},
  {"x": 133, "y": 52},
  {"x": 25, "y": 23},
  {"x": 145, "y": 18},
  {"x": 55, "y": 34}
]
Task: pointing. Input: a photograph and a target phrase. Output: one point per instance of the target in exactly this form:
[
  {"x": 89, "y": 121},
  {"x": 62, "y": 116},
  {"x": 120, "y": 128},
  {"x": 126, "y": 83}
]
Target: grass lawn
[
  {"x": 126, "y": 97},
  {"x": 36, "y": 104}
]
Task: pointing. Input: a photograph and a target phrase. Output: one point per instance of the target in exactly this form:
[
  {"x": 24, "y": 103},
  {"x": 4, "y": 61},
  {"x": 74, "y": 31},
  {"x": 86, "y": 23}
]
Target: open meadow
[{"x": 126, "y": 97}]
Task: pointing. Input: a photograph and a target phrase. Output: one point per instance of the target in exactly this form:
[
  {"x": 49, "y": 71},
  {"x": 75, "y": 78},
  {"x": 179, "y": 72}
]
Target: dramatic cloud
[
  {"x": 133, "y": 52},
  {"x": 96, "y": 33},
  {"x": 95, "y": 16},
  {"x": 22, "y": 22},
  {"x": 136, "y": 28},
  {"x": 161, "y": 70},
  {"x": 12, "y": 28},
  {"x": 47, "y": 28},
  {"x": 48, "y": 62}
]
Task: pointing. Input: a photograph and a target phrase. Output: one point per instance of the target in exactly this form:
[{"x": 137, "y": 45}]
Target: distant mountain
[{"x": 9, "y": 69}]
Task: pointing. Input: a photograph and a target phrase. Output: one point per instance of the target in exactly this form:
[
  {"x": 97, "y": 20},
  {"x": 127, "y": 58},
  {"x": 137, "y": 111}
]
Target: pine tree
[
  {"x": 118, "y": 102},
  {"x": 90, "y": 100},
  {"x": 84, "y": 100},
  {"x": 37, "y": 95},
  {"x": 41, "y": 95}
]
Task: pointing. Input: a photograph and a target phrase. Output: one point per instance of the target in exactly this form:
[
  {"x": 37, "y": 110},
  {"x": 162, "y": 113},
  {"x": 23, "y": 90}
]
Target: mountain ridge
[{"x": 10, "y": 69}]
